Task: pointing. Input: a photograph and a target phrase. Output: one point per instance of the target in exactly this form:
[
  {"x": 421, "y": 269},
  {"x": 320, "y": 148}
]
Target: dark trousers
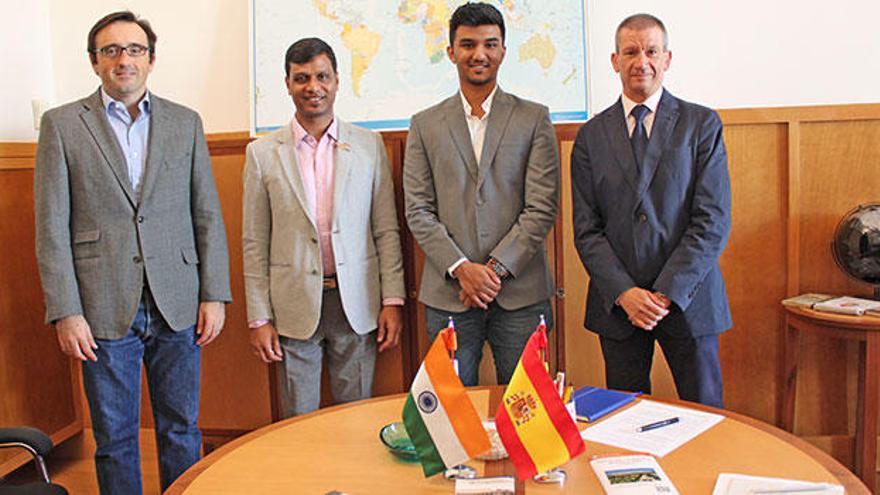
[{"x": 693, "y": 361}]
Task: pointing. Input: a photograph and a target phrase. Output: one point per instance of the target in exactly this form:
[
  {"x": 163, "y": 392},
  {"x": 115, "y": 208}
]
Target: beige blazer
[{"x": 282, "y": 256}]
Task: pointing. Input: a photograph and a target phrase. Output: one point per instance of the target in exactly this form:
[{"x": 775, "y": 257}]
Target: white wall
[
  {"x": 25, "y": 66},
  {"x": 750, "y": 53}
]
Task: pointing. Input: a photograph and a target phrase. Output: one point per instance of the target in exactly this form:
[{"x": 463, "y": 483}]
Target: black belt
[{"x": 330, "y": 282}]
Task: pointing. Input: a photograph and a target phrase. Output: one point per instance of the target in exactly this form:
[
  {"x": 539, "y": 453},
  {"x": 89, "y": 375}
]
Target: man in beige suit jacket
[{"x": 322, "y": 260}]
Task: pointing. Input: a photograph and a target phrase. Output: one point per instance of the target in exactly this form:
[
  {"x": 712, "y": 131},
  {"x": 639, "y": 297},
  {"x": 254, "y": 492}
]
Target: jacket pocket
[
  {"x": 190, "y": 256},
  {"x": 85, "y": 244}
]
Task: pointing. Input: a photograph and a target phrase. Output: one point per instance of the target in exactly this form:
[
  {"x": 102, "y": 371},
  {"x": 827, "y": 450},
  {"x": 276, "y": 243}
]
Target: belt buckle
[{"x": 329, "y": 283}]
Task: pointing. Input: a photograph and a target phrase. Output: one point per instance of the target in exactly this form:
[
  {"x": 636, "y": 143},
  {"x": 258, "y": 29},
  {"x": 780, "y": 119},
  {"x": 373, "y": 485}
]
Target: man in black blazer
[{"x": 651, "y": 208}]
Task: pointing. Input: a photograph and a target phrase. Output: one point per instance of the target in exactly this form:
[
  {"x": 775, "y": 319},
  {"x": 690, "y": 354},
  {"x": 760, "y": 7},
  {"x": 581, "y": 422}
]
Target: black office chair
[{"x": 38, "y": 444}]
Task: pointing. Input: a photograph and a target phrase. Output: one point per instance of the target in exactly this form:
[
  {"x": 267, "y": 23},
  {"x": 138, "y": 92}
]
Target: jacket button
[
  {"x": 136, "y": 259},
  {"x": 643, "y": 218},
  {"x": 140, "y": 219}
]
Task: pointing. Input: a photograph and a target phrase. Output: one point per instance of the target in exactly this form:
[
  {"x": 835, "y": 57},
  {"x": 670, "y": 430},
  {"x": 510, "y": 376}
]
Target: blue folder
[{"x": 592, "y": 402}]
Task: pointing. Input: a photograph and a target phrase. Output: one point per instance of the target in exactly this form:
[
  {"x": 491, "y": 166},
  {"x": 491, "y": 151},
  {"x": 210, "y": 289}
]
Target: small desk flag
[
  {"x": 532, "y": 421},
  {"x": 439, "y": 416}
]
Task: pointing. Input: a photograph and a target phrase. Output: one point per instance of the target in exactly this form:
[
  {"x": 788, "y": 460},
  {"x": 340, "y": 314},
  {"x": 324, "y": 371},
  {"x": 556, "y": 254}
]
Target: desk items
[
  {"x": 740, "y": 484},
  {"x": 622, "y": 429},
  {"x": 498, "y": 485},
  {"x": 591, "y": 403},
  {"x": 497, "y": 452},
  {"x": 440, "y": 418},
  {"x": 535, "y": 427},
  {"x": 631, "y": 474},
  {"x": 846, "y": 305},
  {"x": 849, "y": 306},
  {"x": 395, "y": 438}
]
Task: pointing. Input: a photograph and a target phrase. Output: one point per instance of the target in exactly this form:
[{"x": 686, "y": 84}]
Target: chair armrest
[{"x": 32, "y": 437}]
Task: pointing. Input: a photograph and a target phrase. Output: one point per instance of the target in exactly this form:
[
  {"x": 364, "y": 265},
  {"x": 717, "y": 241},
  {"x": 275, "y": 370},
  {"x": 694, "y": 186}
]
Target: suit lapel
[
  {"x": 290, "y": 166},
  {"x": 161, "y": 132},
  {"x": 94, "y": 117},
  {"x": 499, "y": 116},
  {"x": 661, "y": 131},
  {"x": 453, "y": 114},
  {"x": 342, "y": 165},
  {"x": 614, "y": 123}
]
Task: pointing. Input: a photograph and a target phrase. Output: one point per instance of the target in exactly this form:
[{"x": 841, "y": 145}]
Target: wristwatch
[{"x": 498, "y": 268}]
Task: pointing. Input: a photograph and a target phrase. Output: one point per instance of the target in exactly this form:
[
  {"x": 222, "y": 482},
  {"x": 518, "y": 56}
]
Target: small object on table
[
  {"x": 396, "y": 440},
  {"x": 498, "y": 485},
  {"x": 555, "y": 475},
  {"x": 460, "y": 472},
  {"x": 498, "y": 451}
]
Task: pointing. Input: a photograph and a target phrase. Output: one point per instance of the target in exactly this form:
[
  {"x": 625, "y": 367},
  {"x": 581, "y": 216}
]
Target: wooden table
[
  {"x": 339, "y": 449},
  {"x": 865, "y": 330}
]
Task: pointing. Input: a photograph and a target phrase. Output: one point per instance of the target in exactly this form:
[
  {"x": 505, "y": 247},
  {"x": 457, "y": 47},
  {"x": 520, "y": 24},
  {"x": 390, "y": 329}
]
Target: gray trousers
[{"x": 351, "y": 361}]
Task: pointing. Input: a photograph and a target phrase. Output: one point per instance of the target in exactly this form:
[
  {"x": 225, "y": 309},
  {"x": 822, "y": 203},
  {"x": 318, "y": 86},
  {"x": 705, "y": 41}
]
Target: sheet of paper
[
  {"x": 621, "y": 429},
  {"x": 740, "y": 484},
  {"x": 500, "y": 485}
]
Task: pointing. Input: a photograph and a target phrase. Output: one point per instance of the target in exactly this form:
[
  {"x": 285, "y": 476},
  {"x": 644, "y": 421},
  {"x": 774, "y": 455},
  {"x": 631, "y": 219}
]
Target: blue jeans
[
  {"x": 507, "y": 332},
  {"x": 113, "y": 388}
]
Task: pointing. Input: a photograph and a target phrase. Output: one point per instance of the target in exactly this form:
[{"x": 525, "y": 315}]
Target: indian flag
[{"x": 441, "y": 420}]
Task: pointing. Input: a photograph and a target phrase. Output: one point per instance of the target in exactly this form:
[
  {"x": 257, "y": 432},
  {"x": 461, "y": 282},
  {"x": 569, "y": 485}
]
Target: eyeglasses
[{"x": 113, "y": 51}]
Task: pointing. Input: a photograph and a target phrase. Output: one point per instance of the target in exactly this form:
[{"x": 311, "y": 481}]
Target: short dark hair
[
  {"x": 637, "y": 22},
  {"x": 306, "y": 49},
  {"x": 121, "y": 16},
  {"x": 475, "y": 14}
]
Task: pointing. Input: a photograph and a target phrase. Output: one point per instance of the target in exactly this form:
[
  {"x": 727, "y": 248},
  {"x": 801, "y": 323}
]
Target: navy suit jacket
[{"x": 661, "y": 226}]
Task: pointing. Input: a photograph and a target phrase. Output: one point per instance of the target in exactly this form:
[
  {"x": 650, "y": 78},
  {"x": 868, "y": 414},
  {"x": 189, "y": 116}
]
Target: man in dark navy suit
[{"x": 651, "y": 208}]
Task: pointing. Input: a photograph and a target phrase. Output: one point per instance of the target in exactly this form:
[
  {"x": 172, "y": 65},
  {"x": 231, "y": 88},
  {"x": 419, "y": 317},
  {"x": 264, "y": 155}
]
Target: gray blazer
[
  {"x": 662, "y": 227},
  {"x": 282, "y": 255},
  {"x": 503, "y": 209},
  {"x": 97, "y": 247}
]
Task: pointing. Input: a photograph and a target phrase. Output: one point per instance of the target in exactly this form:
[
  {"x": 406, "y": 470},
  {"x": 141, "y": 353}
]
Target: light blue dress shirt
[{"x": 132, "y": 136}]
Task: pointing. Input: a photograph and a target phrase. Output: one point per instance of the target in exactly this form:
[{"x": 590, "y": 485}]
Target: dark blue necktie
[{"x": 639, "y": 138}]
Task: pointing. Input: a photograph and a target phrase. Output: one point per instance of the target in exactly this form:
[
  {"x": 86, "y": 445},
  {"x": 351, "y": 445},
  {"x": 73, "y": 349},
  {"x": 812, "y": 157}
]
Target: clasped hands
[
  {"x": 644, "y": 308},
  {"x": 479, "y": 284}
]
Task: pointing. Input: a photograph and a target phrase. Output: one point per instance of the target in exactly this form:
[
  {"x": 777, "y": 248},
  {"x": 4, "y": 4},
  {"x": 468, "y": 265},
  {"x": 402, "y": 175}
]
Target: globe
[{"x": 856, "y": 244}]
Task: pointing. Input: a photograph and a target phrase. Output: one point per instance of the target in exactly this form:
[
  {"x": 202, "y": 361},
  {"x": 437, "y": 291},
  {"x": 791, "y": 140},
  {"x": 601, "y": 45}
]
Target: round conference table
[{"x": 338, "y": 449}]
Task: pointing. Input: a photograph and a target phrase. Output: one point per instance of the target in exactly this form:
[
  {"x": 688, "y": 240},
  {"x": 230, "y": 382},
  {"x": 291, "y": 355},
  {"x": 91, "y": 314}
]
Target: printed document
[{"x": 622, "y": 429}]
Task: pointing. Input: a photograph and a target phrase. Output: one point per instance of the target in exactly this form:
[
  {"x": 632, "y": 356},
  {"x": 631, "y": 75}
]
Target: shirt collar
[
  {"x": 487, "y": 103},
  {"x": 300, "y": 134},
  {"x": 110, "y": 104},
  {"x": 651, "y": 102}
]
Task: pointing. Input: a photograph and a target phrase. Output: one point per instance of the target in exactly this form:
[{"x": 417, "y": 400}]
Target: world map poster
[{"x": 392, "y": 56}]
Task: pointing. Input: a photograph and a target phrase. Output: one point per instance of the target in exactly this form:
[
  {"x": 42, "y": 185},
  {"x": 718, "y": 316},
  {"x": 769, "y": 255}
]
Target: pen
[{"x": 658, "y": 424}]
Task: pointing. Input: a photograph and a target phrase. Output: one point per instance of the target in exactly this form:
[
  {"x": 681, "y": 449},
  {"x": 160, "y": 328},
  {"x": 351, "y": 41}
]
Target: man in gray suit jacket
[
  {"x": 651, "y": 205},
  {"x": 322, "y": 260},
  {"x": 481, "y": 178},
  {"x": 132, "y": 252}
]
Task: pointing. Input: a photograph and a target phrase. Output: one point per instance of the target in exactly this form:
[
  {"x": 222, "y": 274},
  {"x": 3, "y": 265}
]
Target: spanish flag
[
  {"x": 439, "y": 416},
  {"x": 532, "y": 421}
]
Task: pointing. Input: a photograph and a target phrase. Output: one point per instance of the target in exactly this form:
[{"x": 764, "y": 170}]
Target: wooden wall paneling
[
  {"x": 838, "y": 171},
  {"x": 583, "y": 356},
  {"x": 36, "y": 379},
  {"x": 231, "y": 375},
  {"x": 754, "y": 267}
]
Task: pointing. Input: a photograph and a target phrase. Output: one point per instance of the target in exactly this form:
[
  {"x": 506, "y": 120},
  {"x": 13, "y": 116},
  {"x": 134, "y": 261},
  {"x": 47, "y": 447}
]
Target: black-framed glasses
[{"x": 113, "y": 51}]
